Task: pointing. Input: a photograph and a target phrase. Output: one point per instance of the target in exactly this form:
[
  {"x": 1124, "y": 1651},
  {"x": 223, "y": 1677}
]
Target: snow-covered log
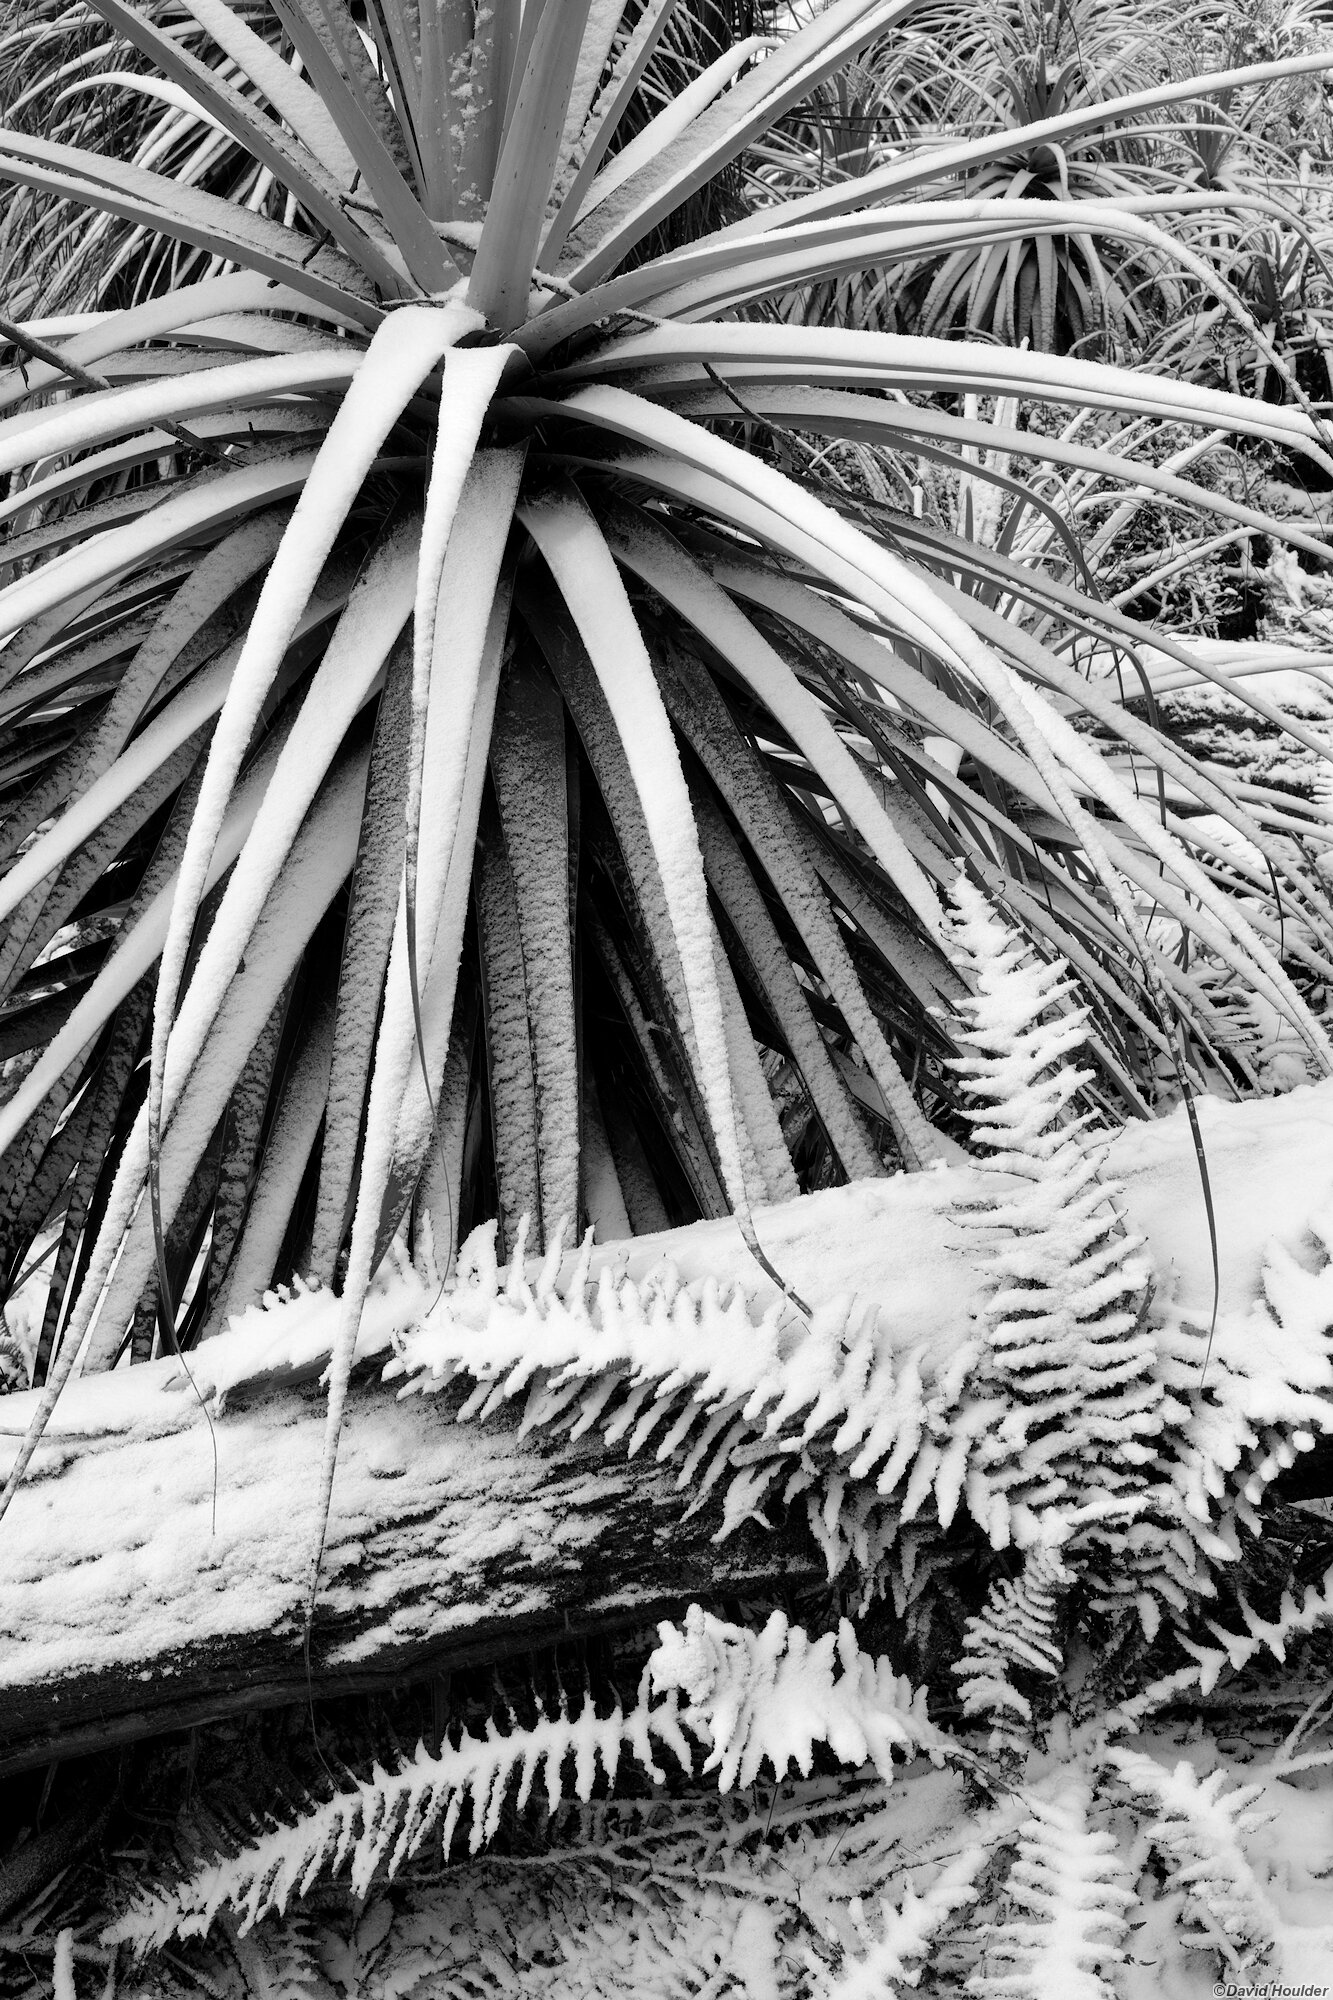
[
  {"x": 145, "y": 1585},
  {"x": 152, "y": 1562}
]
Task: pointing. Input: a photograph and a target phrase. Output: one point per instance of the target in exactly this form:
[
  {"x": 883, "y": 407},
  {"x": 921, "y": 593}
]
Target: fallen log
[{"x": 153, "y": 1564}]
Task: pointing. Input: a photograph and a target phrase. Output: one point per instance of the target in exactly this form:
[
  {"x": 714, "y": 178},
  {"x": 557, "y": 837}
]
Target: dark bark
[{"x": 127, "y": 1610}]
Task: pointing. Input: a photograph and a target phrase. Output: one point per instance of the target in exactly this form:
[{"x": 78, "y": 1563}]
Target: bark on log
[{"x": 133, "y": 1601}]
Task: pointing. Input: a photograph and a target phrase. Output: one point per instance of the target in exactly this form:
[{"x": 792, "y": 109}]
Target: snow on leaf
[{"x": 769, "y": 1697}]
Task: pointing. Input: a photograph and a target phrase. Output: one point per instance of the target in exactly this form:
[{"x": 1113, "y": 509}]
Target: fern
[
  {"x": 1268, "y": 1394},
  {"x": 281, "y": 1963},
  {"x": 385, "y": 1818},
  {"x": 894, "y": 1947},
  {"x": 768, "y": 1697},
  {"x": 838, "y": 1888},
  {"x": 1197, "y": 1827},
  {"x": 1070, "y": 1387},
  {"x": 753, "y": 1699},
  {"x": 1015, "y": 1633},
  {"x": 752, "y": 1401},
  {"x": 1071, "y": 1890},
  {"x": 1238, "y": 1649}
]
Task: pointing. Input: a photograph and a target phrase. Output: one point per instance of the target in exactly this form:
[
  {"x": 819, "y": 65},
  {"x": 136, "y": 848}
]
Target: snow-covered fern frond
[
  {"x": 768, "y": 1697},
  {"x": 1237, "y": 1649},
  {"x": 1265, "y": 1397},
  {"x": 895, "y": 1945},
  {"x": 1015, "y": 1633},
  {"x": 1196, "y": 1827},
  {"x": 384, "y": 1819},
  {"x": 281, "y": 1962},
  {"x": 752, "y": 1400},
  {"x": 751, "y": 1700},
  {"x": 1070, "y": 1368},
  {"x": 1069, "y": 1890}
]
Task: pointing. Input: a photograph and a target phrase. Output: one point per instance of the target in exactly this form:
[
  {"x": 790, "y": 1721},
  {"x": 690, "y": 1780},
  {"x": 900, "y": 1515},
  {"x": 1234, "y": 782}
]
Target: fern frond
[
  {"x": 1072, "y": 1891},
  {"x": 1268, "y": 1394},
  {"x": 1070, "y": 1368},
  {"x": 752, "y": 1401},
  {"x": 1197, "y": 1828},
  {"x": 1014, "y": 1633},
  {"x": 384, "y": 1819},
  {"x": 751, "y": 1699},
  {"x": 768, "y": 1697},
  {"x": 281, "y": 1962},
  {"x": 897, "y": 1945},
  {"x": 1237, "y": 1649}
]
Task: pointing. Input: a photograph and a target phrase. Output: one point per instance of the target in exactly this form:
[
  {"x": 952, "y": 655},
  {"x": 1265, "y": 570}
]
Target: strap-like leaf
[
  {"x": 240, "y": 1130},
  {"x": 108, "y": 1090},
  {"x": 137, "y": 948},
  {"x": 193, "y": 617},
  {"x": 169, "y": 207},
  {"x": 528, "y": 770},
  {"x": 113, "y": 333},
  {"x": 291, "y": 165},
  {"x": 772, "y": 970},
  {"x": 510, "y": 1048},
  {"x": 473, "y": 494},
  {"x": 287, "y": 1150},
  {"x": 316, "y": 868},
  {"x": 376, "y": 612},
  {"x": 179, "y": 720},
  {"x": 376, "y": 881},
  {"x": 666, "y": 568},
  {"x": 844, "y": 357},
  {"x": 294, "y": 101},
  {"x": 672, "y": 120},
  {"x": 407, "y": 222},
  {"x": 32, "y": 435},
  {"x": 404, "y": 351},
  {"x": 601, "y": 128},
  {"x": 589, "y": 582},
  {"x": 502, "y": 274},
  {"x": 721, "y": 133},
  {"x": 65, "y": 585},
  {"x": 769, "y": 1175},
  {"x": 644, "y": 966}
]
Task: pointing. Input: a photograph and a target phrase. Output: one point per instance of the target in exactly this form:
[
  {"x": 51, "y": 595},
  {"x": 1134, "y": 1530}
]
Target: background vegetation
[{"x": 612, "y": 616}]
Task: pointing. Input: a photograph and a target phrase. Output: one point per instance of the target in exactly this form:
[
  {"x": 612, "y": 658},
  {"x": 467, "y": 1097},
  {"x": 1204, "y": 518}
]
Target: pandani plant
[
  {"x": 1100, "y": 110},
  {"x": 461, "y": 752}
]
